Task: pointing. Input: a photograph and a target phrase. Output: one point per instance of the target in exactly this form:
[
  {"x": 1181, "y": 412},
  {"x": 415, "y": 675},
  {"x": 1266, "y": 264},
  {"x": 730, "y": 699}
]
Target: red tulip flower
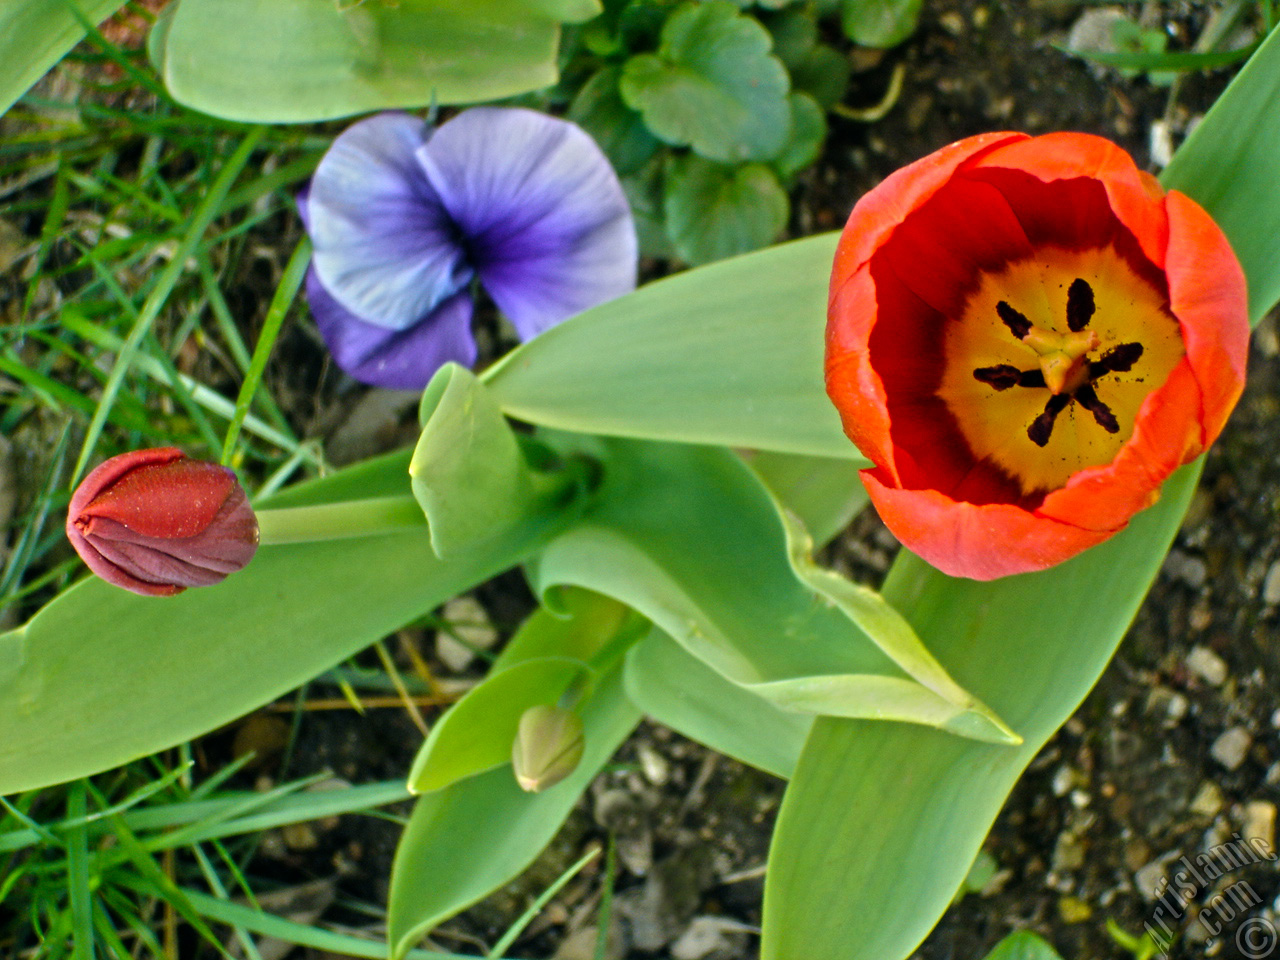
[
  {"x": 1027, "y": 336},
  {"x": 156, "y": 522}
]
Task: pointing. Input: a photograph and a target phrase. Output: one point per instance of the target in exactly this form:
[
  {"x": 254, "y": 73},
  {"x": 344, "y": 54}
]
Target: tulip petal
[
  {"x": 396, "y": 359},
  {"x": 1072, "y": 156},
  {"x": 1207, "y": 294},
  {"x": 879, "y": 212},
  {"x": 548, "y": 227},
  {"x": 385, "y": 247},
  {"x": 979, "y": 541}
]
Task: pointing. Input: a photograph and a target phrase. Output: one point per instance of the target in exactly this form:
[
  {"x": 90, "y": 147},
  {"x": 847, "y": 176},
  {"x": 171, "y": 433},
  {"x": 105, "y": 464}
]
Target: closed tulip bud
[
  {"x": 156, "y": 522},
  {"x": 547, "y": 748}
]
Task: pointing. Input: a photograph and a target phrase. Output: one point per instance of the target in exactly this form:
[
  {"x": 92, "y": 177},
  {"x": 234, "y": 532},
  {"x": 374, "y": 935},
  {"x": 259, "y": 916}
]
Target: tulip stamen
[{"x": 1065, "y": 368}]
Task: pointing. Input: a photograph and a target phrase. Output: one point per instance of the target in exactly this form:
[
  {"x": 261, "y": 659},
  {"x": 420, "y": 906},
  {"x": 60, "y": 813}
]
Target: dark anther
[
  {"x": 1002, "y": 377},
  {"x": 1088, "y": 399},
  {"x": 1015, "y": 321},
  {"x": 1006, "y": 375},
  {"x": 1079, "y": 305},
  {"x": 1116, "y": 360},
  {"x": 1042, "y": 426}
]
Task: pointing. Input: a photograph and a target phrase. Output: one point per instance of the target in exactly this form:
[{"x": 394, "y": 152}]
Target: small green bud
[{"x": 547, "y": 748}]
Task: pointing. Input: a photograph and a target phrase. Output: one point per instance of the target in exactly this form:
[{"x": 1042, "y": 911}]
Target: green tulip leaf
[
  {"x": 690, "y": 538},
  {"x": 680, "y": 691},
  {"x": 726, "y": 354},
  {"x": 880, "y": 23},
  {"x": 468, "y": 471},
  {"x": 467, "y": 840},
  {"x": 713, "y": 85},
  {"x": 101, "y": 676},
  {"x": 476, "y": 733},
  {"x": 714, "y": 210},
  {"x": 1023, "y": 945},
  {"x": 35, "y": 34},
  {"x": 620, "y": 131},
  {"x": 297, "y": 61},
  {"x": 856, "y": 816},
  {"x": 823, "y": 492}
]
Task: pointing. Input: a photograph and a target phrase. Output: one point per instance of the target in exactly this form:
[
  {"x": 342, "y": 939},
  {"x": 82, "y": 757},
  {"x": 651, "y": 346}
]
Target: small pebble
[
  {"x": 656, "y": 769},
  {"x": 1232, "y": 747},
  {"x": 1271, "y": 585},
  {"x": 1207, "y": 665},
  {"x": 1207, "y": 801},
  {"x": 1074, "y": 910},
  {"x": 1160, "y": 143},
  {"x": 1190, "y": 569},
  {"x": 1148, "y": 879},
  {"x": 1273, "y": 775},
  {"x": 1260, "y": 822},
  {"x": 1068, "y": 853},
  {"x": 952, "y": 22},
  {"x": 704, "y": 936}
]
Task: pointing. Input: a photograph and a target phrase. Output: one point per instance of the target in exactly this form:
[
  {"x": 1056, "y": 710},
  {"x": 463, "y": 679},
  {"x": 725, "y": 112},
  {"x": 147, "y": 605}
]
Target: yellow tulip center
[{"x": 1049, "y": 362}]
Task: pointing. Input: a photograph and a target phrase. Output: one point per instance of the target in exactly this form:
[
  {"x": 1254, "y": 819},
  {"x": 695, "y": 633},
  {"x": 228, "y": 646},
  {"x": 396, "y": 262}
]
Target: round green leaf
[
  {"x": 880, "y": 23},
  {"x": 715, "y": 211},
  {"x": 598, "y": 108},
  {"x": 713, "y": 85},
  {"x": 823, "y": 74},
  {"x": 808, "y": 132}
]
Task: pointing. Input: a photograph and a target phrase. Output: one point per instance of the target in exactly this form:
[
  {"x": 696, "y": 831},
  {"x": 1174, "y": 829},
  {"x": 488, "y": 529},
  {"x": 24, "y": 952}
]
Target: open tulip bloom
[
  {"x": 404, "y": 217},
  {"x": 1027, "y": 336}
]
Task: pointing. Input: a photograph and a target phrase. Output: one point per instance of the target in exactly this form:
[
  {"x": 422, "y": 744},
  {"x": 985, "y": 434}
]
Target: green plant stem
[{"x": 339, "y": 521}]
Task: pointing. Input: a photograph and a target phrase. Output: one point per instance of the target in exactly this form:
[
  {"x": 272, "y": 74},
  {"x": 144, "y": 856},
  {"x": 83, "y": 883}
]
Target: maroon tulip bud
[{"x": 156, "y": 522}]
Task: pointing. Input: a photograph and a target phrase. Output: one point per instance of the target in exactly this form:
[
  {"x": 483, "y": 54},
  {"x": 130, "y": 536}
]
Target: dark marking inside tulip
[
  {"x": 1015, "y": 321},
  {"x": 1080, "y": 305},
  {"x": 1006, "y": 375},
  {"x": 1088, "y": 399},
  {"x": 1042, "y": 426},
  {"x": 1116, "y": 360}
]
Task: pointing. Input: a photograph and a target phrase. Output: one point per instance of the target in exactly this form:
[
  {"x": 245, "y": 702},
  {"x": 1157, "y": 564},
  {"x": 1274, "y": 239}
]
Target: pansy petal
[
  {"x": 547, "y": 225},
  {"x": 397, "y": 359},
  {"x": 979, "y": 541},
  {"x": 384, "y": 246}
]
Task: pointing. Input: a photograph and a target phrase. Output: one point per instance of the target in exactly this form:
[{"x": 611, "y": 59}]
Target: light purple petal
[
  {"x": 397, "y": 359},
  {"x": 384, "y": 246},
  {"x": 547, "y": 225}
]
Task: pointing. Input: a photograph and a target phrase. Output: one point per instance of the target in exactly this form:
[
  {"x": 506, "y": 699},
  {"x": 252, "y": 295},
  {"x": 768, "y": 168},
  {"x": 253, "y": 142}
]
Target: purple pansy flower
[{"x": 402, "y": 218}]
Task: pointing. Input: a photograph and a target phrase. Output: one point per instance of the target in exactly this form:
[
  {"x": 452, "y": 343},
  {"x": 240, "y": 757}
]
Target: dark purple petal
[
  {"x": 397, "y": 359},
  {"x": 383, "y": 244},
  {"x": 547, "y": 226}
]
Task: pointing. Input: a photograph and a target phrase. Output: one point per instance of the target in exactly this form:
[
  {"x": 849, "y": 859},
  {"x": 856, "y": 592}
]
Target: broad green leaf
[
  {"x": 468, "y": 471},
  {"x": 689, "y": 537},
  {"x": 824, "y": 75},
  {"x": 1023, "y": 945},
  {"x": 902, "y": 809},
  {"x": 880, "y": 23},
  {"x": 467, "y": 840},
  {"x": 795, "y": 34},
  {"x": 1227, "y": 165},
  {"x": 297, "y": 61},
  {"x": 808, "y": 133},
  {"x": 726, "y": 354},
  {"x": 713, "y": 85},
  {"x": 823, "y": 492},
  {"x": 579, "y": 624},
  {"x": 35, "y": 34},
  {"x": 714, "y": 210},
  {"x": 101, "y": 676},
  {"x": 679, "y": 690},
  {"x": 476, "y": 733},
  {"x": 620, "y": 131}
]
